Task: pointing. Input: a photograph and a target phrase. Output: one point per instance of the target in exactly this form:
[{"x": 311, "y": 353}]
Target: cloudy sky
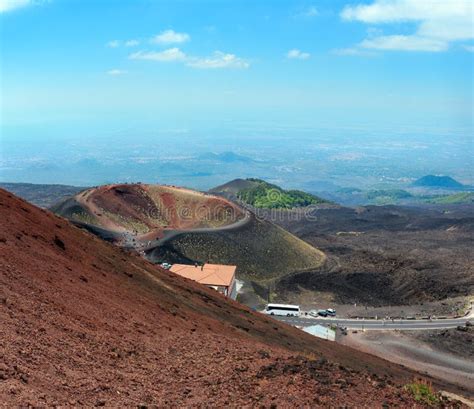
[{"x": 406, "y": 62}]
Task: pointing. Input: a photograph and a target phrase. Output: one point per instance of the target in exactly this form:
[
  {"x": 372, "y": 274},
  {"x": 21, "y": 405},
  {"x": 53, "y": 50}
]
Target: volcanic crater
[{"x": 147, "y": 211}]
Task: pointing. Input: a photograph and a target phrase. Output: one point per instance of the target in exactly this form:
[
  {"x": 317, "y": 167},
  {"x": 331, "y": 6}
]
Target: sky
[{"x": 114, "y": 63}]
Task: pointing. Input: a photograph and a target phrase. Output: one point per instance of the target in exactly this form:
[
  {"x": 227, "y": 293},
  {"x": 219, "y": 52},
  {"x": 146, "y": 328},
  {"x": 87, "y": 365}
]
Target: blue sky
[{"x": 110, "y": 62}]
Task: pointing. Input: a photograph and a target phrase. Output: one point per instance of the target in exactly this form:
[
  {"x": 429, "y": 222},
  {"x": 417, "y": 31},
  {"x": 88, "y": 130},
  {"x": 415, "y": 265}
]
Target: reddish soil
[
  {"x": 128, "y": 201},
  {"x": 154, "y": 208},
  {"x": 169, "y": 202},
  {"x": 85, "y": 323}
]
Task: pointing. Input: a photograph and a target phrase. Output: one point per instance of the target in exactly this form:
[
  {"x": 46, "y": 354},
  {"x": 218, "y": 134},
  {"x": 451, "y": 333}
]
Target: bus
[{"x": 283, "y": 309}]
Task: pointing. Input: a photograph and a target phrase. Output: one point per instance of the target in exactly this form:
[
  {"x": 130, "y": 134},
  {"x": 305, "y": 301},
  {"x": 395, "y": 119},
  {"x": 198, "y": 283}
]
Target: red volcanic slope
[
  {"x": 84, "y": 323},
  {"x": 155, "y": 206}
]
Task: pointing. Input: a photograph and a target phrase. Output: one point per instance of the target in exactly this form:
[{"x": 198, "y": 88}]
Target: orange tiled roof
[{"x": 209, "y": 274}]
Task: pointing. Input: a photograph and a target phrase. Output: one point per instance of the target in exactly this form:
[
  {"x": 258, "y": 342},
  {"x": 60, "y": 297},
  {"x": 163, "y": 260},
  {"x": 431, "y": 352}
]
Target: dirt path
[
  {"x": 171, "y": 234},
  {"x": 415, "y": 354}
]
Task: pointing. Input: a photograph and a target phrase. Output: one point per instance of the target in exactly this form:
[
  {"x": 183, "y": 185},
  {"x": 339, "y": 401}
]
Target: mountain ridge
[{"x": 435, "y": 181}]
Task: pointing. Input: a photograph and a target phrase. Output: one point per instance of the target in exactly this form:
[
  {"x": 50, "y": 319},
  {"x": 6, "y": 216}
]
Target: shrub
[
  {"x": 269, "y": 196},
  {"x": 423, "y": 392}
]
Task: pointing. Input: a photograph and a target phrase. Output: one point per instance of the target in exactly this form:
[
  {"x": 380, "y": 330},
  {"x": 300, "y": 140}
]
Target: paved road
[{"x": 371, "y": 324}]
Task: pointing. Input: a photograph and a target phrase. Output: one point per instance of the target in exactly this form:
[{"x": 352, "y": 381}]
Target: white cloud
[
  {"x": 389, "y": 11},
  {"x": 354, "y": 51},
  {"x": 218, "y": 60},
  {"x": 117, "y": 43},
  {"x": 405, "y": 43},
  {"x": 132, "y": 43},
  {"x": 116, "y": 72},
  {"x": 170, "y": 37},
  {"x": 307, "y": 12},
  {"x": 438, "y": 23},
  {"x": 113, "y": 44},
  {"x": 169, "y": 55},
  {"x": 8, "y": 5},
  {"x": 297, "y": 54}
]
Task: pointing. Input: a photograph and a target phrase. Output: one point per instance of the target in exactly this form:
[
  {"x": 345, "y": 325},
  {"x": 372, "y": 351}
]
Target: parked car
[
  {"x": 166, "y": 266},
  {"x": 322, "y": 313},
  {"x": 331, "y": 312},
  {"x": 313, "y": 313}
]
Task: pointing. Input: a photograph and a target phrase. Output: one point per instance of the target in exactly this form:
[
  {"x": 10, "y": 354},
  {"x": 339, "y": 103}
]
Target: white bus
[{"x": 283, "y": 309}]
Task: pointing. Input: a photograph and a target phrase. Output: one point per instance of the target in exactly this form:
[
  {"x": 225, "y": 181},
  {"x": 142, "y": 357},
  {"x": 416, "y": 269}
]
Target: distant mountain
[
  {"x": 381, "y": 197},
  {"x": 261, "y": 194},
  {"x": 227, "y": 157},
  {"x": 438, "y": 182},
  {"x": 42, "y": 195},
  {"x": 232, "y": 188}
]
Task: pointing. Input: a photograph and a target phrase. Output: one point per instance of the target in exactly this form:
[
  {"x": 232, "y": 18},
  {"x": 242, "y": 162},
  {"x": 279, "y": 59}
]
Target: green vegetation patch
[
  {"x": 268, "y": 196},
  {"x": 127, "y": 223},
  {"x": 423, "y": 392},
  {"x": 382, "y": 197},
  {"x": 393, "y": 194},
  {"x": 457, "y": 198},
  {"x": 83, "y": 217}
]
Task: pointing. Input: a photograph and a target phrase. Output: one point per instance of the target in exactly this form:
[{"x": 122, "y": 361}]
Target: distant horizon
[
  {"x": 408, "y": 186},
  {"x": 354, "y": 93}
]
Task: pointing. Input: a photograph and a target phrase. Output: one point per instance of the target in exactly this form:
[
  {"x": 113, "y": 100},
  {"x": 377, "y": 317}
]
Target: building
[
  {"x": 217, "y": 276},
  {"x": 321, "y": 331}
]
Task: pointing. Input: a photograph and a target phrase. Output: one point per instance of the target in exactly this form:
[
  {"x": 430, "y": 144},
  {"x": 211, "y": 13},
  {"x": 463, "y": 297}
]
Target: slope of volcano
[{"x": 86, "y": 323}]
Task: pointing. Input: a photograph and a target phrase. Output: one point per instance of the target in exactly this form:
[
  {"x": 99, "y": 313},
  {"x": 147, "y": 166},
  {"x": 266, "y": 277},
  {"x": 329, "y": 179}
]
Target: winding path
[{"x": 172, "y": 234}]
